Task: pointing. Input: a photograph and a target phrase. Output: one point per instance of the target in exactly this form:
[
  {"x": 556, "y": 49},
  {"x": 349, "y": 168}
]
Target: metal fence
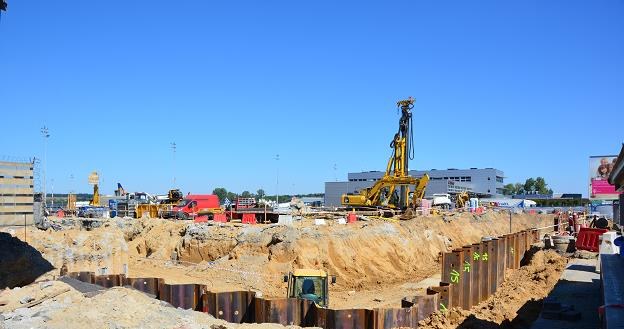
[{"x": 470, "y": 275}]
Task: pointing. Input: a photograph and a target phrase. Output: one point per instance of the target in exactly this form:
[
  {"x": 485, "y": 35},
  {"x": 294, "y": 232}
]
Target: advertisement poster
[{"x": 600, "y": 168}]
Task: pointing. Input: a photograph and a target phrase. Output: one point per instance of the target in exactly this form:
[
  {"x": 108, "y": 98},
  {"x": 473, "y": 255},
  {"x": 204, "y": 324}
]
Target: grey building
[{"x": 487, "y": 182}]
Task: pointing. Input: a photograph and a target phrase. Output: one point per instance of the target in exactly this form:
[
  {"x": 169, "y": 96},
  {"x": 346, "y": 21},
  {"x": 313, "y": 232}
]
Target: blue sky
[{"x": 529, "y": 87}]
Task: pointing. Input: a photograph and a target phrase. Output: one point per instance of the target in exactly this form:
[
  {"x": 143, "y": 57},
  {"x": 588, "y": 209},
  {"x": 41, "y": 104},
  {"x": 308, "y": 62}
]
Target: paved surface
[{"x": 578, "y": 286}]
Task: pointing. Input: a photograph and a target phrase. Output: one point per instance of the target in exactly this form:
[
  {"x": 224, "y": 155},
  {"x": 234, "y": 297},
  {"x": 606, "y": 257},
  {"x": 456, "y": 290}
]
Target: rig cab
[{"x": 309, "y": 284}]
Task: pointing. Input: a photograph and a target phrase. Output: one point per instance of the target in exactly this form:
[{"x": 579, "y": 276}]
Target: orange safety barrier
[
  {"x": 249, "y": 219},
  {"x": 589, "y": 238},
  {"x": 351, "y": 218},
  {"x": 219, "y": 218},
  {"x": 201, "y": 219}
]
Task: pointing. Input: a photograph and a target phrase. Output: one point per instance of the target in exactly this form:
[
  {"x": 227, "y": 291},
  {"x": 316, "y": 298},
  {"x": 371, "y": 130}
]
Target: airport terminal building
[{"x": 487, "y": 182}]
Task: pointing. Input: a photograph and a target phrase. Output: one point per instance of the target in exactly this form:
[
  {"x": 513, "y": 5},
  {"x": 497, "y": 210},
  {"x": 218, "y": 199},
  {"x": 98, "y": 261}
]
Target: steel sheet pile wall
[{"x": 471, "y": 274}]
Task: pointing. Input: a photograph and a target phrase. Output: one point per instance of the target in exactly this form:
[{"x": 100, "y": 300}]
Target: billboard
[{"x": 600, "y": 168}]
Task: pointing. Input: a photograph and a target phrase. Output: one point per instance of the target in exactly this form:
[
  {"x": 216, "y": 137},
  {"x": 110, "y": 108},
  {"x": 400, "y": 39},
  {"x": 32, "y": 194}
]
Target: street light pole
[
  {"x": 173, "y": 147},
  {"x": 277, "y": 182},
  {"x": 46, "y": 134}
]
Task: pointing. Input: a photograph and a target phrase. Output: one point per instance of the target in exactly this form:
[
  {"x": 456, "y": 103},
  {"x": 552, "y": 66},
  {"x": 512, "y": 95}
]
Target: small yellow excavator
[
  {"x": 309, "y": 284},
  {"x": 393, "y": 189},
  {"x": 461, "y": 199}
]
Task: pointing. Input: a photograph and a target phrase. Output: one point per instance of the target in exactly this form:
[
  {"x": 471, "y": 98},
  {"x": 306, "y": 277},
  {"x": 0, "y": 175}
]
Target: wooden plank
[
  {"x": 15, "y": 220},
  {"x": 26, "y": 182},
  {"x": 8, "y": 172},
  {"x": 5, "y": 209},
  {"x": 16, "y": 199},
  {"x": 21, "y": 190},
  {"x": 16, "y": 164},
  {"x": 43, "y": 299}
]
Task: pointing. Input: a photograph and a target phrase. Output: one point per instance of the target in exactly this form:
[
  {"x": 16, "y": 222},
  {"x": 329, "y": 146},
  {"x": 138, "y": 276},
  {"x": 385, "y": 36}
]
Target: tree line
[
  {"x": 531, "y": 186},
  {"x": 223, "y": 193}
]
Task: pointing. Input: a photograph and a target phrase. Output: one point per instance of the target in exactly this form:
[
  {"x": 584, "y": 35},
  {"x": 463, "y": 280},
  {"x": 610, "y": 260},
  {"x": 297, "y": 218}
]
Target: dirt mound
[
  {"x": 20, "y": 264},
  {"x": 381, "y": 260},
  {"x": 156, "y": 238},
  {"x": 361, "y": 255},
  {"x": 516, "y": 303}
]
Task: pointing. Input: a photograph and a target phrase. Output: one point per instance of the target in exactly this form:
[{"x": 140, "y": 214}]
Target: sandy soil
[{"x": 376, "y": 262}]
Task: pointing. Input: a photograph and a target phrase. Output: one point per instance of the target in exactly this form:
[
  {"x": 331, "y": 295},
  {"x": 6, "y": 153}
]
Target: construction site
[
  {"x": 389, "y": 248},
  {"x": 387, "y": 258}
]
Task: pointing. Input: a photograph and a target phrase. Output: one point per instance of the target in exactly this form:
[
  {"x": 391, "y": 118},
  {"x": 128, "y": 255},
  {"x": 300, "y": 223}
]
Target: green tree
[
  {"x": 246, "y": 194},
  {"x": 540, "y": 185},
  {"x": 220, "y": 192},
  {"x": 260, "y": 193},
  {"x": 509, "y": 189},
  {"x": 518, "y": 188},
  {"x": 529, "y": 185},
  {"x": 232, "y": 196}
]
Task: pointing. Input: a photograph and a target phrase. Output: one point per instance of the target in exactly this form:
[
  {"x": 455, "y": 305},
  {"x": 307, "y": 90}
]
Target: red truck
[{"x": 194, "y": 205}]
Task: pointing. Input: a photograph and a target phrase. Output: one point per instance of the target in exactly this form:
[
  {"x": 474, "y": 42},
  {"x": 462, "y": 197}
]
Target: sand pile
[
  {"x": 81, "y": 250},
  {"x": 379, "y": 261},
  {"x": 517, "y": 302},
  {"x": 361, "y": 255}
]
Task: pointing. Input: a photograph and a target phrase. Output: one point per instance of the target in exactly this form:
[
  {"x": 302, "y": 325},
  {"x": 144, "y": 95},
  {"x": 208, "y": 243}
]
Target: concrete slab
[{"x": 578, "y": 287}]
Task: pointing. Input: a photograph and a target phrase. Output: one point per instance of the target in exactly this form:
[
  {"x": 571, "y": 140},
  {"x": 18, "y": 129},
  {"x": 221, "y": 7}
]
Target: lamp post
[
  {"x": 277, "y": 181},
  {"x": 52, "y": 181},
  {"x": 174, "y": 147},
  {"x": 45, "y": 133}
]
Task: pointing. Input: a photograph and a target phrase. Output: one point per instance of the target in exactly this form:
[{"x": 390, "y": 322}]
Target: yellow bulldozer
[
  {"x": 309, "y": 284},
  {"x": 394, "y": 188}
]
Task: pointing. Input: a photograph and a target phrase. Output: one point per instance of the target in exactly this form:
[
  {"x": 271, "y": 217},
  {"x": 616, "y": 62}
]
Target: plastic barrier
[
  {"x": 249, "y": 219},
  {"x": 201, "y": 219},
  {"x": 221, "y": 218},
  {"x": 589, "y": 238},
  {"x": 351, "y": 218}
]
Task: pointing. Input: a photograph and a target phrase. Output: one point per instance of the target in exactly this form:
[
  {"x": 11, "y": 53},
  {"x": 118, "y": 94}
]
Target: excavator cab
[{"x": 310, "y": 285}]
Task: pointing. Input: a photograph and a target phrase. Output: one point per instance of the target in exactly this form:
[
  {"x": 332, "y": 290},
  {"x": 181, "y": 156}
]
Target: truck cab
[
  {"x": 195, "y": 205},
  {"x": 442, "y": 200},
  {"x": 310, "y": 285}
]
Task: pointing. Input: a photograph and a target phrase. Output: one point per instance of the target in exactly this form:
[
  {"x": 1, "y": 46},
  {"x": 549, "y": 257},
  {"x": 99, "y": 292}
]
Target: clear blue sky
[{"x": 529, "y": 87}]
